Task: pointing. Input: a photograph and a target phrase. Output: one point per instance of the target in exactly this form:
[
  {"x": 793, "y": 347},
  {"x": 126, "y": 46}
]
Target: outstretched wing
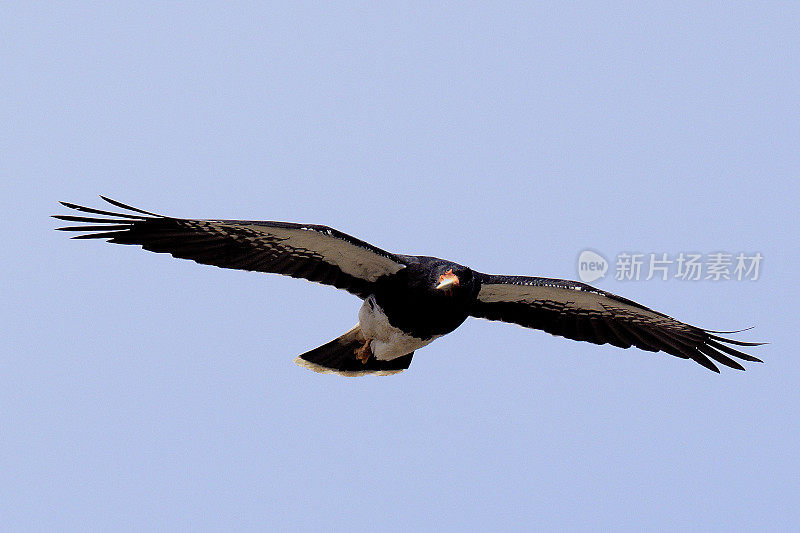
[
  {"x": 316, "y": 253},
  {"x": 578, "y": 311}
]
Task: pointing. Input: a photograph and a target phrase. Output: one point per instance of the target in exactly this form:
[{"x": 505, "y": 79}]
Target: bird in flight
[{"x": 408, "y": 300}]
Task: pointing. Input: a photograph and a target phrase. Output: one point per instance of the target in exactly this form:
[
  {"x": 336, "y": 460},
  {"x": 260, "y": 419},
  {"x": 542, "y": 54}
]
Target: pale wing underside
[
  {"x": 581, "y": 312},
  {"x": 316, "y": 253}
]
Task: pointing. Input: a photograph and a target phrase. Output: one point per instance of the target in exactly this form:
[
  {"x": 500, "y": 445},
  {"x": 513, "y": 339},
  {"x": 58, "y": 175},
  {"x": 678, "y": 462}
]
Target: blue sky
[{"x": 139, "y": 392}]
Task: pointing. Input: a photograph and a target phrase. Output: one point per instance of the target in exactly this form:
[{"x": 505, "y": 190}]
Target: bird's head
[
  {"x": 452, "y": 280},
  {"x": 448, "y": 281}
]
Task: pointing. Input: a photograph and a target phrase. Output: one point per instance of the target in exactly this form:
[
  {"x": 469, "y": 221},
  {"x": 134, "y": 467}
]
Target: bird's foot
[{"x": 364, "y": 352}]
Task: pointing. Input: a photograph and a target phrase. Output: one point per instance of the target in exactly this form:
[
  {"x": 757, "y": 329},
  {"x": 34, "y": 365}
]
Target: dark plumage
[{"x": 409, "y": 300}]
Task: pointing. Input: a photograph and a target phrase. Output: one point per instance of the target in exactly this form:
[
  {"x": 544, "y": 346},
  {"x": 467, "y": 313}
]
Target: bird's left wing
[
  {"x": 581, "y": 312},
  {"x": 316, "y": 253}
]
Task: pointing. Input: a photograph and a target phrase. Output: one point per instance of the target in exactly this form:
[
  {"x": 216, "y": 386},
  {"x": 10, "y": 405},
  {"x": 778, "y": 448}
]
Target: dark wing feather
[
  {"x": 578, "y": 311},
  {"x": 316, "y": 253}
]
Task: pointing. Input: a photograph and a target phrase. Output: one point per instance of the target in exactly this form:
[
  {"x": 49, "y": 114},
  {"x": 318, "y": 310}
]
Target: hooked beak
[{"x": 447, "y": 280}]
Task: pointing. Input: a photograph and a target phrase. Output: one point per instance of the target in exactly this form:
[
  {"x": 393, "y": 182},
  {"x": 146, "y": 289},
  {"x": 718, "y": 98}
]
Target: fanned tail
[{"x": 339, "y": 357}]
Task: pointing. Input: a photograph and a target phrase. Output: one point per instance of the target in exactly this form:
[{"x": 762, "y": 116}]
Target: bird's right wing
[{"x": 316, "y": 253}]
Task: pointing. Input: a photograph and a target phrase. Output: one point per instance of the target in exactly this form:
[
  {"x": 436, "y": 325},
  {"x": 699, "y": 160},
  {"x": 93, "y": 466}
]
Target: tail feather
[{"x": 339, "y": 357}]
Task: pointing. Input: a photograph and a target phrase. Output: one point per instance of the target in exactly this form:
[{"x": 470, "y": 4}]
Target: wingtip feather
[
  {"x": 128, "y": 207},
  {"x": 729, "y": 332},
  {"x": 706, "y": 362}
]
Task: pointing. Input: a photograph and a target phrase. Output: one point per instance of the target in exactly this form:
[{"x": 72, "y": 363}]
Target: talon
[{"x": 363, "y": 352}]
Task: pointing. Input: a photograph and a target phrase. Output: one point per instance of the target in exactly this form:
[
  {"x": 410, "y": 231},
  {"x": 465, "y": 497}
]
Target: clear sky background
[{"x": 140, "y": 392}]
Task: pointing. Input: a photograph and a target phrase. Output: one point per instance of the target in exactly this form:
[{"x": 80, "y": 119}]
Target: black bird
[{"x": 409, "y": 300}]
